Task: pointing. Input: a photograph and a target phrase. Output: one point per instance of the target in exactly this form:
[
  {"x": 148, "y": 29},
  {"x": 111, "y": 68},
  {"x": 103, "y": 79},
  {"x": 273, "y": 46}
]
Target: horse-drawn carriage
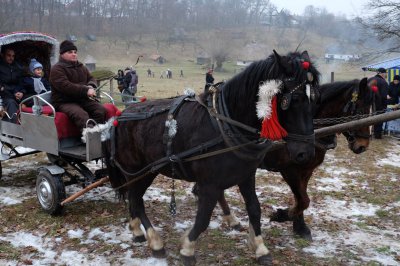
[{"x": 42, "y": 129}]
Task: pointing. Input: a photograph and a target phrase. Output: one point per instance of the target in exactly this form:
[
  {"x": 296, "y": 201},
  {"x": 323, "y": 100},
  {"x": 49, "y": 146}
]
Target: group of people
[
  {"x": 72, "y": 86},
  {"x": 389, "y": 94},
  {"x": 127, "y": 80},
  {"x": 15, "y": 87}
]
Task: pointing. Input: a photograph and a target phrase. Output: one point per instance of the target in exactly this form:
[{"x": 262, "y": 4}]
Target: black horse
[
  {"x": 338, "y": 99},
  {"x": 146, "y": 143}
]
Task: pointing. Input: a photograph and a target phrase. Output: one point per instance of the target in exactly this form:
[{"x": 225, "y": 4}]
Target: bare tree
[{"x": 384, "y": 21}]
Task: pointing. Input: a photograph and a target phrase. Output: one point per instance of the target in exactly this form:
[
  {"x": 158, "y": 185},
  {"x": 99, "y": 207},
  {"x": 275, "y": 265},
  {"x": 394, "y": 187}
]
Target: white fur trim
[
  {"x": 266, "y": 92},
  {"x": 104, "y": 129},
  {"x": 189, "y": 92},
  {"x": 172, "y": 126}
]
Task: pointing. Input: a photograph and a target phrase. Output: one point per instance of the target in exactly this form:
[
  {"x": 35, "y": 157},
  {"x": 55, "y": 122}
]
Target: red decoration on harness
[
  {"x": 115, "y": 123},
  {"x": 118, "y": 113},
  {"x": 374, "y": 88},
  {"x": 143, "y": 99},
  {"x": 305, "y": 65},
  {"x": 271, "y": 129}
]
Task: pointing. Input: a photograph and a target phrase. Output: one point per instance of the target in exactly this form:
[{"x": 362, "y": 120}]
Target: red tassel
[{"x": 271, "y": 129}]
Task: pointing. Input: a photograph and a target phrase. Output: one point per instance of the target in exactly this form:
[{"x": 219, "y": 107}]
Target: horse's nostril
[
  {"x": 360, "y": 149},
  {"x": 302, "y": 157}
]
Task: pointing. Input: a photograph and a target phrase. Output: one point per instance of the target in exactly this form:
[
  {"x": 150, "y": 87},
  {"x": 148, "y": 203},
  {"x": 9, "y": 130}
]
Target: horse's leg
[
  {"x": 247, "y": 189},
  {"x": 207, "y": 199},
  {"x": 298, "y": 184},
  {"x": 138, "y": 216},
  {"x": 228, "y": 216}
]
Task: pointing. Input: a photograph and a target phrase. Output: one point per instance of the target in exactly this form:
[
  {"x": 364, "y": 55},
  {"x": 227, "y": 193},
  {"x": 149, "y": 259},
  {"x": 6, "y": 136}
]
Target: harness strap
[
  {"x": 140, "y": 116},
  {"x": 214, "y": 114},
  {"x": 155, "y": 166}
]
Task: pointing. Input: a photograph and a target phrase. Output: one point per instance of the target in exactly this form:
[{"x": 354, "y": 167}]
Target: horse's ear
[
  {"x": 277, "y": 56},
  {"x": 282, "y": 61},
  {"x": 363, "y": 84},
  {"x": 305, "y": 56}
]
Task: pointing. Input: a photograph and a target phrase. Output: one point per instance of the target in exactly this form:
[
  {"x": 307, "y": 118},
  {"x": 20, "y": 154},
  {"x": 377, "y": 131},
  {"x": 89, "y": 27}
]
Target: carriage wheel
[{"x": 50, "y": 191}]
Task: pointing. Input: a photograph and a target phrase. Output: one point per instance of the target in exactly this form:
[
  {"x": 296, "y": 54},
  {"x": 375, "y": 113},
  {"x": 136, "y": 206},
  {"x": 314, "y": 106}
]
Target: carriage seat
[{"x": 65, "y": 127}]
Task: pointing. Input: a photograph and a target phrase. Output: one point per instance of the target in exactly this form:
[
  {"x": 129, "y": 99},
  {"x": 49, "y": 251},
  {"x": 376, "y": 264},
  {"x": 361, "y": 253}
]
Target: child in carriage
[{"x": 35, "y": 83}]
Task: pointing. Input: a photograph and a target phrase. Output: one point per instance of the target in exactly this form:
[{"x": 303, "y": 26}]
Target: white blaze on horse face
[
  {"x": 134, "y": 226},
  {"x": 308, "y": 92},
  {"x": 154, "y": 240},
  {"x": 257, "y": 243}
]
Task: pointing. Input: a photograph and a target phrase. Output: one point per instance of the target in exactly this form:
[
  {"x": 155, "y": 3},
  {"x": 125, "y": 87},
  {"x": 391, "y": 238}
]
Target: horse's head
[
  {"x": 283, "y": 88},
  {"x": 348, "y": 99},
  {"x": 360, "y": 104},
  {"x": 296, "y": 101}
]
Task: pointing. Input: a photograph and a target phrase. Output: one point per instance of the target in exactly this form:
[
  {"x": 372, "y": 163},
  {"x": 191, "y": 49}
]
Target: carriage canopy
[{"x": 28, "y": 45}]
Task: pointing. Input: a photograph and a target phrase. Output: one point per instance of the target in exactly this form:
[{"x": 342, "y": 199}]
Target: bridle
[
  {"x": 286, "y": 99},
  {"x": 352, "y": 108}
]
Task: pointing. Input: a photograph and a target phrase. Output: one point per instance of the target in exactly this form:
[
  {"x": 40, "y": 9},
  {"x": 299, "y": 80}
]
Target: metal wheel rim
[{"x": 45, "y": 193}]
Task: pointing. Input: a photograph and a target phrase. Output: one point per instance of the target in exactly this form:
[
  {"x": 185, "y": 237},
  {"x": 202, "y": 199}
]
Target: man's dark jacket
[{"x": 69, "y": 82}]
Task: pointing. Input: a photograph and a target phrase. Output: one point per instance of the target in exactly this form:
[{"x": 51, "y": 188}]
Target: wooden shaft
[
  {"x": 86, "y": 189},
  {"x": 326, "y": 131}
]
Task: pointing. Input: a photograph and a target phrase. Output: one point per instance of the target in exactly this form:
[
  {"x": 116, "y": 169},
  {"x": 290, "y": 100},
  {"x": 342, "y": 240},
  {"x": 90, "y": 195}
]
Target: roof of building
[{"x": 393, "y": 63}]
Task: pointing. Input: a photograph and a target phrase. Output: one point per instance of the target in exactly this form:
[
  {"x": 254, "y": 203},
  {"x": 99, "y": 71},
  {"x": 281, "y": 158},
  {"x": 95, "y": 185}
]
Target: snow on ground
[
  {"x": 15, "y": 195},
  {"x": 46, "y": 254},
  {"x": 333, "y": 209},
  {"x": 325, "y": 243}
]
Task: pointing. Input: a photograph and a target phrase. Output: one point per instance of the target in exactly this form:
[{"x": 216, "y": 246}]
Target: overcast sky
[{"x": 350, "y": 8}]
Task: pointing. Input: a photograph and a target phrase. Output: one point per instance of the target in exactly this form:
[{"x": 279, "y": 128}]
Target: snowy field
[{"x": 353, "y": 215}]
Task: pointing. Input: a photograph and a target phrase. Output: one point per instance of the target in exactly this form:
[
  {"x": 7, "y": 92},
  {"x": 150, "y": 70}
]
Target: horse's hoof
[
  {"x": 301, "y": 230},
  {"x": 139, "y": 239},
  {"x": 238, "y": 227},
  {"x": 188, "y": 260},
  {"x": 265, "y": 260},
  {"x": 305, "y": 235},
  {"x": 159, "y": 254},
  {"x": 280, "y": 216}
]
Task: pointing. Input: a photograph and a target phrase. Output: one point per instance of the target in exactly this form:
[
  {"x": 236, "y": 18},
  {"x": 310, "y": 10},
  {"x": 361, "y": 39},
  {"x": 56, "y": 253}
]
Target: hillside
[{"x": 113, "y": 54}]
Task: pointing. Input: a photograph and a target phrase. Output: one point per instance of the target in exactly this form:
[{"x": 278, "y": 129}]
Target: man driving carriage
[{"x": 73, "y": 89}]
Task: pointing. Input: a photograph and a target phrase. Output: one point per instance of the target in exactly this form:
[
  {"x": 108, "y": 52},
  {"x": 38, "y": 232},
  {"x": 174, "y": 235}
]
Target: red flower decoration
[
  {"x": 305, "y": 65},
  {"x": 115, "y": 123},
  {"x": 374, "y": 88},
  {"x": 118, "y": 113}
]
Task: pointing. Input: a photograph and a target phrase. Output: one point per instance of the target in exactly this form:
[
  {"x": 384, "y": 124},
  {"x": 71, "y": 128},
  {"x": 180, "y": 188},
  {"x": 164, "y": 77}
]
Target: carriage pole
[
  {"x": 326, "y": 131},
  {"x": 86, "y": 189}
]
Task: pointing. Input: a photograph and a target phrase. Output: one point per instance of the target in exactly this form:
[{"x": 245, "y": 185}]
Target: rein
[{"x": 182, "y": 157}]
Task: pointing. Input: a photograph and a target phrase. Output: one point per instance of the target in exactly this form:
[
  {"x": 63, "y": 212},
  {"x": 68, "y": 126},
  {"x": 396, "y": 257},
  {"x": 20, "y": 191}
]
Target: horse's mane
[
  {"x": 242, "y": 88},
  {"x": 332, "y": 90}
]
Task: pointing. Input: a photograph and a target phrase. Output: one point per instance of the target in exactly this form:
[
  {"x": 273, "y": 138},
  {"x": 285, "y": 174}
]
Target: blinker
[
  {"x": 285, "y": 101},
  {"x": 310, "y": 76}
]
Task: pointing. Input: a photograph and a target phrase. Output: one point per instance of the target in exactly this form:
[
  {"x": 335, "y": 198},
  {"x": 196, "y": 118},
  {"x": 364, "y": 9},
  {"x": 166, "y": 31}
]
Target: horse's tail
[{"x": 117, "y": 179}]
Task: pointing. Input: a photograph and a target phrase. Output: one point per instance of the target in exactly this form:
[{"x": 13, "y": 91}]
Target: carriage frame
[{"x": 37, "y": 131}]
